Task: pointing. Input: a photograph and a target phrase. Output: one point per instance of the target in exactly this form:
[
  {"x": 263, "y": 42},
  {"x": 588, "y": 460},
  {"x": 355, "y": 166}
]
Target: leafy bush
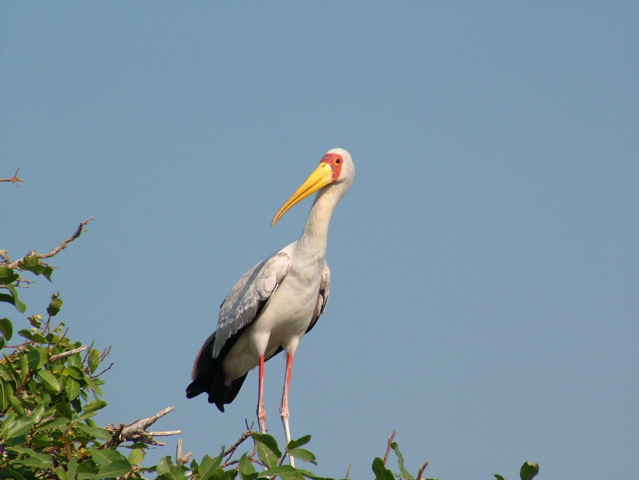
[{"x": 50, "y": 390}]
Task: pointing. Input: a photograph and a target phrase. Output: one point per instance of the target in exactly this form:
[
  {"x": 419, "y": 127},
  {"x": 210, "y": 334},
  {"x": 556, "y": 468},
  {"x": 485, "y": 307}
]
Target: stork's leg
[
  {"x": 261, "y": 412},
  {"x": 284, "y": 407}
]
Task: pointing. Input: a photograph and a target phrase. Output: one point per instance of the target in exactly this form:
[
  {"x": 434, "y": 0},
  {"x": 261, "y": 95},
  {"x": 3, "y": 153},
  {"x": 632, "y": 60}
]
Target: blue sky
[{"x": 484, "y": 265}]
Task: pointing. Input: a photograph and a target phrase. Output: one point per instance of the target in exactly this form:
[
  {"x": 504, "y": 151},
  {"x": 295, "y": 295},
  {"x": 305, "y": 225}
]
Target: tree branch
[
  {"x": 179, "y": 458},
  {"x": 390, "y": 445},
  {"x": 421, "y": 471},
  {"x": 229, "y": 453},
  {"x": 67, "y": 354},
  {"x": 15, "y": 180},
  {"x": 136, "y": 431},
  {"x": 56, "y": 250}
]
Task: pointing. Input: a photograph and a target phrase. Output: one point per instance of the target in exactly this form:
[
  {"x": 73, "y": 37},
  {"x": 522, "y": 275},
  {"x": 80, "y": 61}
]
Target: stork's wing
[
  {"x": 248, "y": 297},
  {"x": 322, "y": 298}
]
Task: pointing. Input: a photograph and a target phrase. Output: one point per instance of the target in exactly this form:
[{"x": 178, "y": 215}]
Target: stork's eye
[{"x": 338, "y": 160}]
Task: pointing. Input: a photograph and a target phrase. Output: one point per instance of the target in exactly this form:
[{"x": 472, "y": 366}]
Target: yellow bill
[{"x": 322, "y": 176}]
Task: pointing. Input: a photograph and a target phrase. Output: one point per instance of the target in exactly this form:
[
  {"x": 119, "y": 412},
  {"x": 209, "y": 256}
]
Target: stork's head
[{"x": 336, "y": 170}]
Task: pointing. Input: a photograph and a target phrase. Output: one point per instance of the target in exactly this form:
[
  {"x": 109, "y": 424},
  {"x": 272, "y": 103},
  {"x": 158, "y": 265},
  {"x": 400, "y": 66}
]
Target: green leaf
[
  {"x": 498, "y": 477},
  {"x": 106, "y": 456},
  {"x": 209, "y": 466},
  {"x": 528, "y": 471},
  {"x": 37, "y": 413},
  {"x": 309, "y": 474},
  {"x": 267, "y": 449},
  {"x": 176, "y": 472},
  {"x": 75, "y": 372},
  {"x": 4, "y": 396},
  {"x": 113, "y": 470},
  {"x": 35, "y": 463},
  {"x": 12, "y": 370},
  {"x": 47, "y": 272},
  {"x": 61, "y": 474},
  {"x": 220, "y": 474},
  {"x": 6, "y": 393},
  {"x": 6, "y": 328},
  {"x": 23, "y": 363},
  {"x": 400, "y": 462},
  {"x": 49, "y": 381},
  {"x": 95, "y": 405},
  {"x": 279, "y": 470},
  {"x": 93, "y": 384},
  {"x": 94, "y": 432},
  {"x": 17, "y": 428},
  {"x": 72, "y": 467},
  {"x": 164, "y": 466},
  {"x": 303, "y": 454},
  {"x": 5, "y": 374},
  {"x": 64, "y": 410},
  {"x": 299, "y": 442},
  {"x": 35, "y": 320},
  {"x": 32, "y": 458},
  {"x": 29, "y": 261},
  {"x": 55, "y": 305},
  {"x": 21, "y": 307},
  {"x": 17, "y": 405},
  {"x": 380, "y": 470},
  {"x": 56, "y": 423},
  {"x": 14, "y": 474},
  {"x": 7, "y": 298},
  {"x": 247, "y": 469},
  {"x": 37, "y": 357},
  {"x": 33, "y": 336},
  {"x": 7, "y": 276},
  {"x": 269, "y": 441},
  {"x": 32, "y": 264},
  {"x": 72, "y": 389},
  {"x": 94, "y": 360},
  {"x": 13, "y": 299},
  {"x": 136, "y": 457}
]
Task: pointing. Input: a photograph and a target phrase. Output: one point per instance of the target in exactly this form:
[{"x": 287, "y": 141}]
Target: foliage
[{"x": 50, "y": 390}]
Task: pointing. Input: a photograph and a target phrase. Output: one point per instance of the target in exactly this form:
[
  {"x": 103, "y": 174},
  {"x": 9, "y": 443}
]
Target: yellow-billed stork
[{"x": 277, "y": 301}]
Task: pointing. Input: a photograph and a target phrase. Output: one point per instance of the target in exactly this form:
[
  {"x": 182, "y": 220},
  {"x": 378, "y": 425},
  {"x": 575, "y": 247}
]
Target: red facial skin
[{"x": 335, "y": 161}]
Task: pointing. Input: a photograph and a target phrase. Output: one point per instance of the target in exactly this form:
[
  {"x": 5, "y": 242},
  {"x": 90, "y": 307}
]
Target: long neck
[{"x": 315, "y": 234}]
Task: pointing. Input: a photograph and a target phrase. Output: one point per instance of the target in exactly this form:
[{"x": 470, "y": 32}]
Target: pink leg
[
  {"x": 284, "y": 412},
  {"x": 261, "y": 412}
]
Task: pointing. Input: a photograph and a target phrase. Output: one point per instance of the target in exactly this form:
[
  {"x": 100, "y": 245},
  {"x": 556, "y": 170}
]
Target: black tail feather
[{"x": 208, "y": 375}]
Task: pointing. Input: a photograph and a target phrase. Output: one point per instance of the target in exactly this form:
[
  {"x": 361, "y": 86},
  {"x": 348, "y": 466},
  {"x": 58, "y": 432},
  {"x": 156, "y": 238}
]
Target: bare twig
[
  {"x": 136, "y": 431},
  {"x": 230, "y": 451},
  {"x": 23, "y": 282},
  {"x": 179, "y": 458},
  {"x": 250, "y": 429},
  {"x": 104, "y": 371},
  {"x": 67, "y": 354},
  {"x": 390, "y": 445},
  {"x": 56, "y": 250},
  {"x": 103, "y": 356},
  {"x": 86, "y": 355},
  {"x": 421, "y": 471},
  {"x": 142, "y": 425},
  {"x": 15, "y": 180},
  {"x": 101, "y": 359}
]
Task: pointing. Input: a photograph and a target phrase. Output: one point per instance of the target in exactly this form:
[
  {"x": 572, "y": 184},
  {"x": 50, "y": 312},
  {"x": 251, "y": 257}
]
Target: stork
[{"x": 277, "y": 301}]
